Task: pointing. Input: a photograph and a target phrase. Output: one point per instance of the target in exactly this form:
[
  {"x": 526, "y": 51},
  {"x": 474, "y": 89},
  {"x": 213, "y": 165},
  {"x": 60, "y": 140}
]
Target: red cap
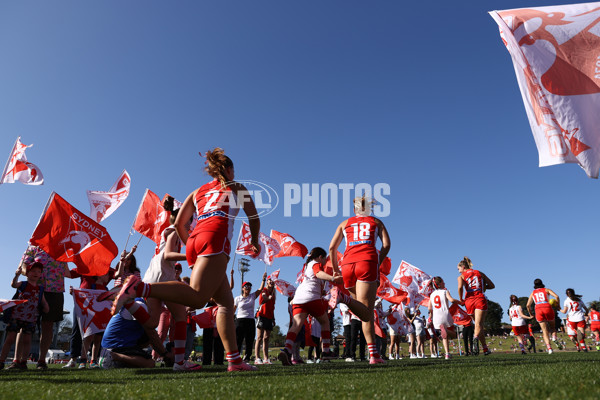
[{"x": 246, "y": 283}]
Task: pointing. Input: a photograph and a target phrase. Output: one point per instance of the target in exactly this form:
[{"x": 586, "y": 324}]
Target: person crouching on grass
[{"x": 23, "y": 317}]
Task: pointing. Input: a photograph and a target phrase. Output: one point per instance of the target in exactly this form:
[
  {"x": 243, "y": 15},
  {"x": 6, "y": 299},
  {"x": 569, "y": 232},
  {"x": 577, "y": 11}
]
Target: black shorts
[
  {"x": 133, "y": 351},
  {"x": 265, "y": 324},
  {"x": 16, "y": 325},
  {"x": 56, "y": 302}
]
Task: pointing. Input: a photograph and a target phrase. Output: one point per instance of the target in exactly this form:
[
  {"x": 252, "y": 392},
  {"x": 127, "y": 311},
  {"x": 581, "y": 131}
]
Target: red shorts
[
  {"x": 316, "y": 308},
  {"x": 595, "y": 327},
  {"x": 363, "y": 271},
  {"x": 520, "y": 330},
  {"x": 575, "y": 325},
  {"x": 206, "y": 244},
  {"x": 475, "y": 303},
  {"x": 544, "y": 313}
]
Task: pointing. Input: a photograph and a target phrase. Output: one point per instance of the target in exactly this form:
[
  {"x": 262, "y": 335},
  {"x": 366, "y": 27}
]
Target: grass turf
[{"x": 562, "y": 375}]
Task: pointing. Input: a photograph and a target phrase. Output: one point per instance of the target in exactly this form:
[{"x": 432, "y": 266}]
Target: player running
[
  {"x": 517, "y": 320},
  {"x": 475, "y": 283},
  {"x": 544, "y": 313},
  {"x": 574, "y": 308}
]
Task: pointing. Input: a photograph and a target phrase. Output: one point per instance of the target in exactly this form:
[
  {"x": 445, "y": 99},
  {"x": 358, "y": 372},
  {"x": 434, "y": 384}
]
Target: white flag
[
  {"x": 18, "y": 169},
  {"x": 555, "y": 54},
  {"x": 268, "y": 246},
  {"x": 413, "y": 281},
  {"x": 103, "y": 204},
  {"x": 92, "y": 315}
]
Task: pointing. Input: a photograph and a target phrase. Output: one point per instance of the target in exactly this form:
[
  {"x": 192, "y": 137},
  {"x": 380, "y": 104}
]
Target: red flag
[
  {"x": 388, "y": 292},
  {"x": 18, "y": 169},
  {"x": 68, "y": 235},
  {"x": 377, "y": 325},
  {"x": 386, "y": 266},
  {"x": 6, "y": 304},
  {"x": 269, "y": 247},
  {"x": 92, "y": 315},
  {"x": 459, "y": 315},
  {"x": 308, "y": 341},
  {"x": 206, "y": 318},
  {"x": 103, "y": 204},
  {"x": 151, "y": 218},
  {"x": 290, "y": 247}
]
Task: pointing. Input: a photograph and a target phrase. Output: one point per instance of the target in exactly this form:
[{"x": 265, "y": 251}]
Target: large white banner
[
  {"x": 556, "y": 55},
  {"x": 103, "y": 204}
]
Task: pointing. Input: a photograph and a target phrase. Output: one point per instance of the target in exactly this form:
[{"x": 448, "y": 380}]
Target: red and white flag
[
  {"x": 268, "y": 246},
  {"x": 103, "y": 204},
  {"x": 18, "y": 169},
  {"x": 68, "y": 235},
  {"x": 151, "y": 218},
  {"x": 386, "y": 266},
  {"x": 206, "y": 318},
  {"x": 92, "y": 315},
  {"x": 290, "y": 247},
  {"x": 6, "y": 304},
  {"x": 555, "y": 55},
  {"x": 283, "y": 287},
  {"x": 459, "y": 315},
  {"x": 413, "y": 281},
  {"x": 389, "y": 292}
]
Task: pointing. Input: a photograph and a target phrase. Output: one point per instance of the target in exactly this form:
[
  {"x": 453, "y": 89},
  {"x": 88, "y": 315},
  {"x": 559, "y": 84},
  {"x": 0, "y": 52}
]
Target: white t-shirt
[
  {"x": 245, "y": 305},
  {"x": 439, "y": 305},
  {"x": 574, "y": 310},
  {"x": 311, "y": 287},
  {"x": 515, "y": 316},
  {"x": 346, "y": 315}
]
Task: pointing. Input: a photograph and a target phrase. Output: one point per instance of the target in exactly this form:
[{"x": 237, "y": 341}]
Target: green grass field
[{"x": 562, "y": 375}]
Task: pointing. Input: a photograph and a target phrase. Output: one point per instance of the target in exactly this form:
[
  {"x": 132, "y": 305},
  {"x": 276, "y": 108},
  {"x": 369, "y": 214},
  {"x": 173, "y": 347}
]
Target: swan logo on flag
[{"x": 76, "y": 242}]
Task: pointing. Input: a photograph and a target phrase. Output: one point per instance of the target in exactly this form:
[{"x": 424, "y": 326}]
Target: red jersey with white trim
[
  {"x": 594, "y": 317},
  {"x": 361, "y": 234},
  {"x": 540, "y": 297},
  {"x": 267, "y": 307},
  {"x": 474, "y": 283},
  {"x": 216, "y": 209}
]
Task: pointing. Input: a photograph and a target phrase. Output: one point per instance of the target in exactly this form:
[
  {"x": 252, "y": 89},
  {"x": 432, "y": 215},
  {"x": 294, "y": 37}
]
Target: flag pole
[{"x": 8, "y": 161}]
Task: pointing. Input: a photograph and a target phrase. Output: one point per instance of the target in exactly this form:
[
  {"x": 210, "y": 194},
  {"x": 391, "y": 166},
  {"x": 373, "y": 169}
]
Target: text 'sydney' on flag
[
  {"x": 68, "y": 235},
  {"x": 103, "y": 204},
  {"x": 18, "y": 169},
  {"x": 290, "y": 247},
  {"x": 151, "y": 218},
  {"x": 269, "y": 247},
  {"x": 92, "y": 315},
  {"x": 555, "y": 54}
]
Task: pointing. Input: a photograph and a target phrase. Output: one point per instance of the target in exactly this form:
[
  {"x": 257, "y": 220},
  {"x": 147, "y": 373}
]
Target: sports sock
[
  {"x": 234, "y": 357},
  {"x": 179, "y": 341},
  {"x": 142, "y": 290},
  {"x": 289, "y": 341},
  {"x": 325, "y": 340},
  {"x": 373, "y": 350},
  {"x": 138, "y": 312}
]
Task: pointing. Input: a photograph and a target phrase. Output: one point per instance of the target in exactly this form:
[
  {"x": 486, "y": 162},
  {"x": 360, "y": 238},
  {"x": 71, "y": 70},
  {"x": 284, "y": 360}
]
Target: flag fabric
[
  {"x": 92, "y": 315},
  {"x": 283, "y": 287},
  {"x": 389, "y": 292},
  {"x": 377, "y": 325},
  {"x": 18, "y": 169},
  {"x": 290, "y": 247},
  {"x": 268, "y": 246},
  {"x": 6, "y": 304},
  {"x": 555, "y": 55},
  {"x": 413, "y": 281},
  {"x": 151, "y": 218},
  {"x": 68, "y": 235},
  {"x": 459, "y": 315},
  {"x": 206, "y": 318},
  {"x": 103, "y": 204},
  {"x": 386, "y": 266}
]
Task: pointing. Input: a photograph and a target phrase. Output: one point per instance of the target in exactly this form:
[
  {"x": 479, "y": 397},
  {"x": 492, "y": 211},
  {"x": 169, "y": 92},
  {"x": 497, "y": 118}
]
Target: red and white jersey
[
  {"x": 474, "y": 283},
  {"x": 28, "y": 311},
  {"x": 515, "y": 312},
  {"x": 439, "y": 306},
  {"x": 594, "y": 317},
  {"x": 574, "y": 310},
  {"x": 361, "y": 234},
  {"x": 216, "y": 209},
  {"x": 540, "y": 297},
  {"x": 267, "y": 307},
  {"x": 311, "y": 287}
]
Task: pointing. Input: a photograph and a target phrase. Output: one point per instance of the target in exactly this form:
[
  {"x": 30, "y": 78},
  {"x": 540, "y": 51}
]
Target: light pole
[{"x": 243, "y": 267}]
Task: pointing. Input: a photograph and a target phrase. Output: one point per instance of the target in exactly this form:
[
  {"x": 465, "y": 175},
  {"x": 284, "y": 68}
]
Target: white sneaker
[
  {"x": 447, "y": 356},
  {"x": 550, "y": 351},
  {"x": 434, "y": 356},
  {"x": 310, "y": 362},
  {"x": 106, "y": 361},
  {"x": 420, "y": 355},
  {"x": 258, "y": 361},
  {"x": 70, "y": 364},
  {"x": 267, "y": 362},
  {"x": 413, "y": 356},
  {"x": 186, "y": 366},
  {"x": 349, "y": 359}
]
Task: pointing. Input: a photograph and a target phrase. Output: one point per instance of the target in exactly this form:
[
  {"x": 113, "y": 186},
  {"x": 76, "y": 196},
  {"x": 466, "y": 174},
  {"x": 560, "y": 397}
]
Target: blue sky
[{"x": 422, "y": 97}]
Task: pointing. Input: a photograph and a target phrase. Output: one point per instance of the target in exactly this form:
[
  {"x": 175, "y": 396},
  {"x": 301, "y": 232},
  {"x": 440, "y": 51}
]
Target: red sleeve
[{"x": 317, "y": 267}]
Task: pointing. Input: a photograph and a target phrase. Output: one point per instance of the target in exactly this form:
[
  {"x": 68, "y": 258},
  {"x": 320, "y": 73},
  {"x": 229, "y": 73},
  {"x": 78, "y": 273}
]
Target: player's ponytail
[
  {"x": 514, "y": 300},
  {"x": 571, "y": 294},
  {"x": 363, "y": 205},
  {"x": 538, "y": 284},
  {"x": 216, "y": 164},
  {"x": 169, "y": 205},
  {"x": 436, "y": 282},
  {"x": 466, "y": 263}
]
